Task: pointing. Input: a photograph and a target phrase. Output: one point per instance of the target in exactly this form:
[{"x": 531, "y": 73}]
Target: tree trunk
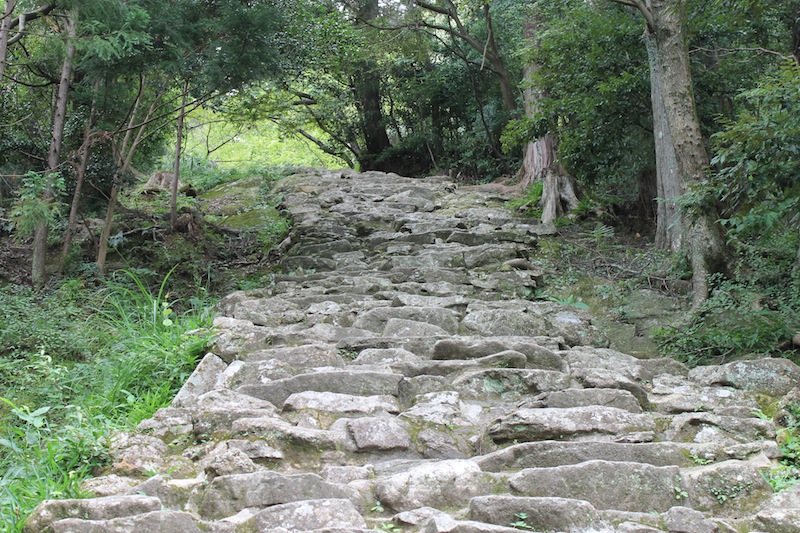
[
  {"x": 86, "y": 150},
  {"x": 669, "y": 228},
  {"x": 540, "y": 161},
  {"x": 5, "y": 28},
  {"x": 54, "y": 155},
  {"x": 367, "y": 89},
  {"x": 173, "y": 204},
  {"x": 105, "y": 235},
  {"x": 681, "y": 157}
]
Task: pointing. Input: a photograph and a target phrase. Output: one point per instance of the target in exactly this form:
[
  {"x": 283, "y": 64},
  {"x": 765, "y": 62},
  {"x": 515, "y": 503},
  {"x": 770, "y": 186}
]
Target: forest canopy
[{"x": 585, "y": 98}]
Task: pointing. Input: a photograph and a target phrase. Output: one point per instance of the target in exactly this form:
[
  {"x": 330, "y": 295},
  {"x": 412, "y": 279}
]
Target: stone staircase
[{"x": 399, "y": 378}]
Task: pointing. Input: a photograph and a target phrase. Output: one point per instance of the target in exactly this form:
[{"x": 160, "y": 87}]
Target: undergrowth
[
  {"x": 93, "y": 362},
  {"x": 755, "y": 310}
]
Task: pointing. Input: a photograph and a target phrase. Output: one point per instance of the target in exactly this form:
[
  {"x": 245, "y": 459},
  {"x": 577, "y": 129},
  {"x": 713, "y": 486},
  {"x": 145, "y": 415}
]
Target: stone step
[{"x": 344, "y": 381}]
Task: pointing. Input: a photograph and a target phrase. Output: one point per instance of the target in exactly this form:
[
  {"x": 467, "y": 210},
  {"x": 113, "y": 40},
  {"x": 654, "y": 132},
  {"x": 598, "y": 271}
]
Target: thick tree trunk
[
  {"x": 38, "y": 277},
  {"x": 669, "y": 228},
  {"x": 366, "y": 86},
  {"x": 367, "y": 89},
  {"x": 682, "y": 160},
  {"x": 540, "y": 162}
]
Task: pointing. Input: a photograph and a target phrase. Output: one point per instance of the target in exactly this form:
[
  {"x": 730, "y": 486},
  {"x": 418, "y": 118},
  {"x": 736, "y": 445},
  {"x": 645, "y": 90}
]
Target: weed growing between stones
[
  {"x": 788, "y": 473},
  {"x": 520, "y": 521}
]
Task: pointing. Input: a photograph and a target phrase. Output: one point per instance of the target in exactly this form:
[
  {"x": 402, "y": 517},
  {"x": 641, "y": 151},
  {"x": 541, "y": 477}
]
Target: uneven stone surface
[{"x": 395, "y": 376}]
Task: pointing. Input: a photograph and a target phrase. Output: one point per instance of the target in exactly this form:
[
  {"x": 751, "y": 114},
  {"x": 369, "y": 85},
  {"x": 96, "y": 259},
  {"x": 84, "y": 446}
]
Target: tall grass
[{"x": 53, "y": 431}]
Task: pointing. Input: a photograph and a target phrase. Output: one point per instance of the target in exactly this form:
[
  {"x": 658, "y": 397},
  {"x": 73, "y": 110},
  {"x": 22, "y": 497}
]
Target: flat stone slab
[
  {"x": 605, "y": 484},
  {"x": 506, "y": 359},
  {"x": 160, "y": 521},
  {"x": 378, "y": 434},
  {"x": 305, "y": 356},
  {"x": 621, "y": 399},
  {"x": 441, "y": 484},
  {"x": 353, "y": 382},
  {"x": 376, "y": 319},
  {"x": 557, "y": 453},
  {"x": 557, "y": 424},
  {"x": 333, "y": 402},
  {"x": 509, "y": 382},
  {"x": 771, "y": 376},
  {"x": 309, "y": 515},
  {"x": 538, "y": 351},
  {"x": 105, "y": 508},
  {"x": 227, "y": 495},
  {"x": 540, "y": 514}
]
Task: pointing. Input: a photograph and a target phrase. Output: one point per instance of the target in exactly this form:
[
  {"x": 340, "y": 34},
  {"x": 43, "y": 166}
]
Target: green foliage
[
  {"x": 58, "y": 409},
  {"x": 32, "y": 324},
  {"x": 45, "y": 455},
  {"x": 570, "y": 300},
  {"x": 595, "y": 94},
  {"x": 758, "y": 159},
  {"x": 151, "y": 347},
  {"x": 521, "y": 521},
  {"x": 36, "y": 203},
  {"x": 600, "y": 234}
]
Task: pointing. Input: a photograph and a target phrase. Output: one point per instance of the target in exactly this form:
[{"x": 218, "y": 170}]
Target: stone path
[{"x": 398, "y": 378}]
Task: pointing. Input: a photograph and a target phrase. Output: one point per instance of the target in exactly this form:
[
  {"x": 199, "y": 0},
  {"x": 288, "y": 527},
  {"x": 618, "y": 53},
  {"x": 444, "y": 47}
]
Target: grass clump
[
  {"x": 106, "y": 359},
  {"x": 529, "y": 205}
]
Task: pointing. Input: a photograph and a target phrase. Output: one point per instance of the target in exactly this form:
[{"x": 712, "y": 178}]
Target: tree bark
[
  {"x": 38, "y": 276},
  {"x": 367, "y": 89},
  {"x": 681, "y": 157},
  {"x": 105, "y": 235},
  {"x": 669, "y": 230}
]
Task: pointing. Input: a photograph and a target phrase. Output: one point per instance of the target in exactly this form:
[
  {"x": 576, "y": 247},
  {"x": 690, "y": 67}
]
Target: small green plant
[
  {"x": 521, "y": 521},
  {"x": 700, "y": 460},
  {"x": 600, "y": 234},
  {"x": 529, "y": 204},
  {"x": 84, "y": 365},
  {"x": 680, "y": 492},
  {"x": 349, "y": 355},
  {"x": 783, "y": 477},
  {"x": 724, "y": 494}
]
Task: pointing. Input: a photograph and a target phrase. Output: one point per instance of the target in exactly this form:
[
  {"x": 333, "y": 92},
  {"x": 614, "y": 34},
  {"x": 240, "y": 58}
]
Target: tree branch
[
  {"x": 640, "y": 5},
  {"x": 25, "y": 17},
  {"x": 728, "y": 51}
]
